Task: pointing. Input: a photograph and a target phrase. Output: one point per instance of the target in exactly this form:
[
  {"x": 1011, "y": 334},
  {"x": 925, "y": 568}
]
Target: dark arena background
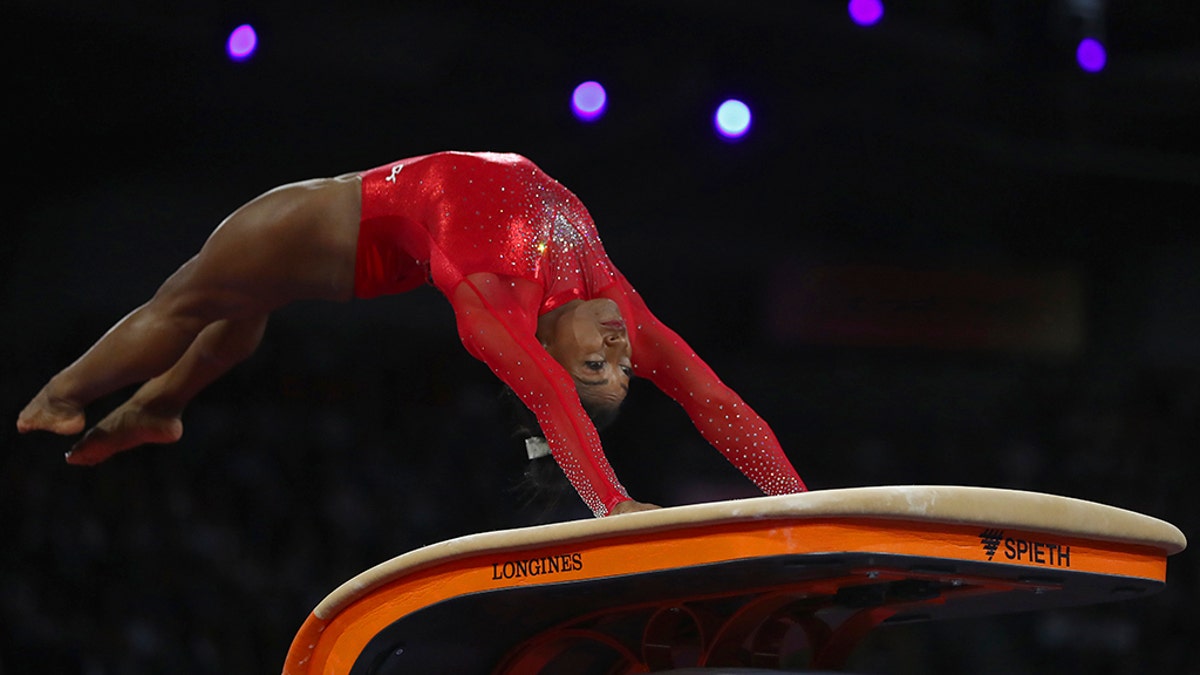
[{"x": 957, "y": 244}]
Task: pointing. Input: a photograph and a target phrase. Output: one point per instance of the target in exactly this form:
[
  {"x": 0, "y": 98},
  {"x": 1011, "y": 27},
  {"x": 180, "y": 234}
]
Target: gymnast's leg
[
  {"x": 295, "y": 242},
  {"x": 154, "y": 414},
  {"x": 146, "y": 342}
]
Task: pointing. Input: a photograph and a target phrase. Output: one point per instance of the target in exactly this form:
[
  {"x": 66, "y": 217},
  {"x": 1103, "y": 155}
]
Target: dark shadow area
[{"x": 943, "y": 255}]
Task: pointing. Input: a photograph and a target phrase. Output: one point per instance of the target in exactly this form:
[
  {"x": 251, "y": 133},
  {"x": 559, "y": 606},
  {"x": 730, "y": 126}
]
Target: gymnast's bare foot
[
  {"x": 126, "y": 427},
  {"x": 50, "y": 413}
]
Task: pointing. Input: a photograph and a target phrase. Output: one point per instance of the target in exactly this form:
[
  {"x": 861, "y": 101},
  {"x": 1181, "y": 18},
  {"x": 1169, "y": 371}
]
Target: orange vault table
[{"x": 757, "y": 583}]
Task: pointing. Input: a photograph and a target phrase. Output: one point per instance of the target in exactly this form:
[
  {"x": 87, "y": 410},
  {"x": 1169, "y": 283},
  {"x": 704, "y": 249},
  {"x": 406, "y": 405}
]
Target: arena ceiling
[{"x": 938, "y": 86}]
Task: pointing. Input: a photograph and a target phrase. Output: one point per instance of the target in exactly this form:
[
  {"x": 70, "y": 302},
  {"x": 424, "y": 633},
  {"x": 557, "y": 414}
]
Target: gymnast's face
[{"x": 589, "y": 338}]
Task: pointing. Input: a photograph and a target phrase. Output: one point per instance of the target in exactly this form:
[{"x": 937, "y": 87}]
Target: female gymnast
[{"x": 517, "y": 255}]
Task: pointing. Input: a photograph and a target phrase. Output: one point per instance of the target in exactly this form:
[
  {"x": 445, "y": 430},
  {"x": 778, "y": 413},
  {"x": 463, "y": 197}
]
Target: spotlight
[
  {"x": 866, "y": 12},
  {"x": 242, "y": 42},
  {"x": 588, "y": 101},
  {"x": 1090, "y": 55},
  {"x": 732, "y": 119}
]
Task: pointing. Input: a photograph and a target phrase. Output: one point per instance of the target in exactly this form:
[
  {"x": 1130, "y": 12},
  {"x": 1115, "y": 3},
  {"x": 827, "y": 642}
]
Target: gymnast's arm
[
  {"x": 497, "y": 319},
  {"x": 722, "y": 417}
]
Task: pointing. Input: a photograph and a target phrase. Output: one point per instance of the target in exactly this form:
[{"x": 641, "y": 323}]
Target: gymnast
[{"x": 535, "y": 297}]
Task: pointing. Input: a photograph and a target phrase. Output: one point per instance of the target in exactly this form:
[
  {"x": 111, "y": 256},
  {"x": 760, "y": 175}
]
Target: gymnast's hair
[{"x": 544, "y": 481}]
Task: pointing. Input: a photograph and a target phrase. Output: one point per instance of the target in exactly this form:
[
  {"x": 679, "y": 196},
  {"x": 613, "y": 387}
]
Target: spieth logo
[
  {"x": 990, "y": 539},
  {"x": 1025, "y": 551}
]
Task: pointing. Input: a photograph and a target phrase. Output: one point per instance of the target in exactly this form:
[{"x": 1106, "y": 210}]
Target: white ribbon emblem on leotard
[{"x": 536, "y": 446}]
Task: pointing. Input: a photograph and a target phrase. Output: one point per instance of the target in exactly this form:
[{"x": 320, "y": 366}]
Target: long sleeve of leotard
[
  {"x": 722, "y": 417},
  {"x": 497, "y": 320}
]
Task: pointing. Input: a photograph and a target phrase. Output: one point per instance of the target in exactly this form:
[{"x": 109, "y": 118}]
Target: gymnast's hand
[{"x": 631, "y": 506}]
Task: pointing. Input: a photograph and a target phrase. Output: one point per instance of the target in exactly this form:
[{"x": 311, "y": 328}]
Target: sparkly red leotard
[{"x": 506, "y": 243}]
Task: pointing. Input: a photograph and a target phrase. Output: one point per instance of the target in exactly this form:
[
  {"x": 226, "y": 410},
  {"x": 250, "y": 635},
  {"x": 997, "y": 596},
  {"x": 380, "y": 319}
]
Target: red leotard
[{"x": 506, "y": 243}]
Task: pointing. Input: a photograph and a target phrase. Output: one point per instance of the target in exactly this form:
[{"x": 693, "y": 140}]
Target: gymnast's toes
[
  {"x": 123, "y": 429},
  {"x": 43, "y": 414}
]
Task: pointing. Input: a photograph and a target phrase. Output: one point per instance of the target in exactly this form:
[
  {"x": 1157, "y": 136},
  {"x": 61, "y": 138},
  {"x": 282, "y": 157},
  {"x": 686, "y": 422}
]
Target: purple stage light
[
  {"x": 1091, "y": 55},
  {"x": 866, "y": 12},
  {"x": 732, "y": 119},
  {"x": 242, "y": 42},
  {"x": 588, "y": 101}
]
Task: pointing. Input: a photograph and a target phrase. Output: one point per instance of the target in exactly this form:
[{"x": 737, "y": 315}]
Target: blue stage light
[{"x": 732, "y": 119}]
